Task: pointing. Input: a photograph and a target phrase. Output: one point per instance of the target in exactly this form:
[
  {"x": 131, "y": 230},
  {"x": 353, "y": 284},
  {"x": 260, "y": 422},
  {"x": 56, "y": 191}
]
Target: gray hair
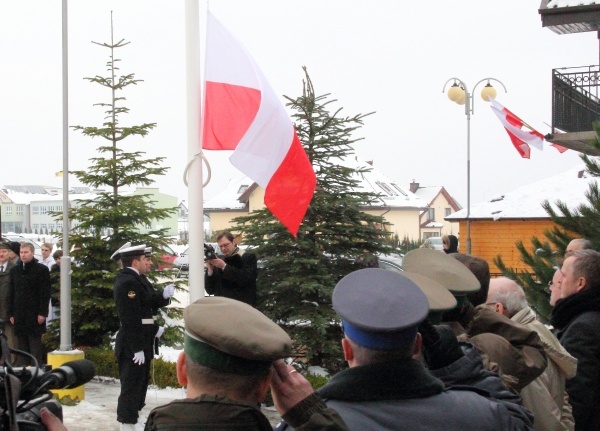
[
  {"x": 511, "y": 296},
  {"x": 587, "y": 265}
]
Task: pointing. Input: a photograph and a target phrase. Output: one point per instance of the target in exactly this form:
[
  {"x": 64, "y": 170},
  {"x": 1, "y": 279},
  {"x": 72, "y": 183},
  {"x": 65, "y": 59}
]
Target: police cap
[{"x": 380, "y": 309}]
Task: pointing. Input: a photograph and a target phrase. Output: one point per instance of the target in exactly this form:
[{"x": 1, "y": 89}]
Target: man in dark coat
[
  {"x": 5, "y": 267},
  {"x": 29, "y": 296},
  {"x": 134, "y": 345},
  {"x": 234, "y": 276},
  {"x": 576, "y": 319}
]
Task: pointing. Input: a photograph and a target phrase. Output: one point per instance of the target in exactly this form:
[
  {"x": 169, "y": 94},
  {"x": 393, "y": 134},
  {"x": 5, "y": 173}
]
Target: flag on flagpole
[
  {"x": 243, "y": 113},
  {"x": 560, "y": 148},
  {"x": 521, "y": 139}
]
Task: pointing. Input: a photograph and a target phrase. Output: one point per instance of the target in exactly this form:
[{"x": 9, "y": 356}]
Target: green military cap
[
  {"x": 4, "y": 245},
  {"x": 439, "y": 298},
  {"x": 442, "y": 268},
  {"x": 232, "y": 336}
]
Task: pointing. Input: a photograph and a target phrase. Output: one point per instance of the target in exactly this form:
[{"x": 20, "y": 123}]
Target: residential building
[
  {"x": 439, "y": 205},
  {"x": 400, "y": 207},
  {"x": 497, "y": 224},
  {"x": 27, "y": 209}
]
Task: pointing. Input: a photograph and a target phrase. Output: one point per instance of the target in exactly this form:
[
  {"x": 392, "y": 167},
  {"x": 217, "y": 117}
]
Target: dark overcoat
[{"x": 28, "y": 297}]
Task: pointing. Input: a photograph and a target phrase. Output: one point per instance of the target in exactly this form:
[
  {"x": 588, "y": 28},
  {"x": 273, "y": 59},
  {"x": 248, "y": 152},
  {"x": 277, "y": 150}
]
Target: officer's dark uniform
[{"x": 136, "y": 333}]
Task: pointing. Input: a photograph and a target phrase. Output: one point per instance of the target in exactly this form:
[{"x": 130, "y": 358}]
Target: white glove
[
  {"x": 138, "y": 357},
  {"x": 160, "y": 331},
  {"x": 169, "y": 291}
]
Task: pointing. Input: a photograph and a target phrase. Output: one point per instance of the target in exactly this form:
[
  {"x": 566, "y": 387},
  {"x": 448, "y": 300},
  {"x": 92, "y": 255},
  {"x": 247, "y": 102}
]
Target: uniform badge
[{"x": 131, "y": 294}]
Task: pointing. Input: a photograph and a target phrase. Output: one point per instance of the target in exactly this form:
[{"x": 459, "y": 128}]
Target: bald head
[
  {"x": 579, "y": 244},
  {"x": 507, "y": 292}
]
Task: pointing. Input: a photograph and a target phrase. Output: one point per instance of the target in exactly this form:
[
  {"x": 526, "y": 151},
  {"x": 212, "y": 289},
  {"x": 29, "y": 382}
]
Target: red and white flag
[
  {"x": 243, "y": 113},
  {"x": 521, "y": 139}
]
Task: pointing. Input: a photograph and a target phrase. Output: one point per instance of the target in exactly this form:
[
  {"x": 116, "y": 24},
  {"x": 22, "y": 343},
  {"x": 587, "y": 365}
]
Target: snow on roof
[
  {"x": 433, "y": 224},
  {"x": 229, "y": 198},
  {"x": 570, "y": 3},
  {"x": 375, "y": 181},
  {"x": 525, "y": 202},
  {"x": 391, "y": 194},
  {"x": 428, "y": 193}
]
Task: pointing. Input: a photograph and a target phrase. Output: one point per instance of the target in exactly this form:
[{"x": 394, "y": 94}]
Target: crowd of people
[{"x": 439, "y": 346}]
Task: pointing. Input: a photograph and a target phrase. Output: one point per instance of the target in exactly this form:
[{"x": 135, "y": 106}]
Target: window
[
  {"x": 44, "y": 210},
  {"x": 36, "y": 210},
  {"x": 431, "y": 214},
  {"x": 447, "y": 212},
  {"x": 386, "y": 188},
  {"x": 399, "y": 189},
  {"x": 19, "y": 209},
  {"x": 9, "y": 209}
]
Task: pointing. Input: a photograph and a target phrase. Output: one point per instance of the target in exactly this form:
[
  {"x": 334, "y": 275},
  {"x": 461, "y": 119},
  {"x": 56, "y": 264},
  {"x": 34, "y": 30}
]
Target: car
[
  {"x": 166, "y": 257},
  {"x": 392, "y": 262},
  {"x": 18, "y": 238},
  {"x": 182, "y": 263},
  {"x": 434, "y": 242}
]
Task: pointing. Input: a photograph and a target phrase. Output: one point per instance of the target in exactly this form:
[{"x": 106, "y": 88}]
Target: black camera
[
  {"x": 209, "y": 252},
  {"x": 25, "y": 391}
]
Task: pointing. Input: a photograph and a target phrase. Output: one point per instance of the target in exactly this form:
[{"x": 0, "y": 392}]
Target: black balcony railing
[{"x": 575, "y": 101}]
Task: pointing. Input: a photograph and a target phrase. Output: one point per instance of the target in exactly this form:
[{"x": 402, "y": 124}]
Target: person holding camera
[{"x": 233, "y": 276}]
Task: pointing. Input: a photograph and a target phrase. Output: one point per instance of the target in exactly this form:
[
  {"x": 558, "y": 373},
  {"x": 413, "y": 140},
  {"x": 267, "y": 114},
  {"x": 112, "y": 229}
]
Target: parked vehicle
[
  {"x": 166, "y": 258},
  {"x": 434, "y": 242},
  {"x": 18, "y": 238}
]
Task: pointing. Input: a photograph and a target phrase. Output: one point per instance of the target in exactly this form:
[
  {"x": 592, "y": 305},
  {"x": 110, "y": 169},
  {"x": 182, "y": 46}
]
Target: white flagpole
[
  {"x": 65, "y": 260},
  {"x": 196, "y": 210}
]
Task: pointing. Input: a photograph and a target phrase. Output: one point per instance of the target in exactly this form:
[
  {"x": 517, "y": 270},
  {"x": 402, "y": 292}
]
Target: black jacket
[
  {"x": 237, "y": 280},
  {"x": 29, "y": 296},
  {"x": 576, "y": 320},
  {"x": 134, "y": 307}
]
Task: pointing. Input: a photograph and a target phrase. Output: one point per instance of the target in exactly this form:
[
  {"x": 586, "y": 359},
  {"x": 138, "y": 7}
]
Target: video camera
[
  {"x": 209, "y": 252},
  {"x": 25, "y": 391}
]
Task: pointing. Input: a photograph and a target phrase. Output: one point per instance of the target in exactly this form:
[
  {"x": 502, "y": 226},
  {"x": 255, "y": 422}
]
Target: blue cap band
[{"x": 380, "y": 340}]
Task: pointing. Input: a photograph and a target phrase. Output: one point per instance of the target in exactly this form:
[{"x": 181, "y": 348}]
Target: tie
[{"x": 2, "y": 269}]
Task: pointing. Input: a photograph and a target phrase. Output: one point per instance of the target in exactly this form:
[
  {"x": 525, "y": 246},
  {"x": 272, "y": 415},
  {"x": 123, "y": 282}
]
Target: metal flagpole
[
  {"x": 195, "y": 192},
  {"x": 65, "y": 260}
]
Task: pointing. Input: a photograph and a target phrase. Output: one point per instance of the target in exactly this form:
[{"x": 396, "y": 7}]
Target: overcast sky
[{"x": 389, "y": 57}]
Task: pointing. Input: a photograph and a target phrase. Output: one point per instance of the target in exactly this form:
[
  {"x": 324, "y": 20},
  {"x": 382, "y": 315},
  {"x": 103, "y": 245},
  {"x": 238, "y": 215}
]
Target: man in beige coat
[{"x": 545, "y": 396}]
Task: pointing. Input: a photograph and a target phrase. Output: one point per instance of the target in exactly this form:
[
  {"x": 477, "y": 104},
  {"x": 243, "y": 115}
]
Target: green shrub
[
  {"x": 104, "y": 359},
  {"x": 164, "y": 374}
]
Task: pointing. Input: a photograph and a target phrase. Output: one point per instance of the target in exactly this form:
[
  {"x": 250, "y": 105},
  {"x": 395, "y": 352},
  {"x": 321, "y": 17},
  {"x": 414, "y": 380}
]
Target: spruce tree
[
  {"x": 103, "y": 223},
  {"x": 297, "y": 275},
  {"x": 545, "y": 256}
]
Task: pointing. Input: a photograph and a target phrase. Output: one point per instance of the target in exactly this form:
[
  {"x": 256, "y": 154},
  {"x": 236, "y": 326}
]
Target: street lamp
[{"x": 459, "y": 93}]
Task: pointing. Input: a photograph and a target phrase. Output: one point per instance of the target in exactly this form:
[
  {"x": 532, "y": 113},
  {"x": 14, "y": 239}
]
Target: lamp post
[{"x": 459, "y": 93}]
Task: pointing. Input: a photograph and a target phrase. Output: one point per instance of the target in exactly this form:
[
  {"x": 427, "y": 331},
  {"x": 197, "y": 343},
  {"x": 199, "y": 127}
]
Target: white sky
[{"x": 388, "y": 57}]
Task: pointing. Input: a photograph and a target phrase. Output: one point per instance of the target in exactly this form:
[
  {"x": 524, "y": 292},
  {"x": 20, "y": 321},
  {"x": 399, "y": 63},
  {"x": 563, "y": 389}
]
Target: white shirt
[{"x": 48, "y": 262}]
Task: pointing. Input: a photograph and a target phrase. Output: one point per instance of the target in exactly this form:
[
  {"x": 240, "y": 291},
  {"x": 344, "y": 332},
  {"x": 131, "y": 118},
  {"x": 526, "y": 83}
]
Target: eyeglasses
[{"x": 227, "y": 244}]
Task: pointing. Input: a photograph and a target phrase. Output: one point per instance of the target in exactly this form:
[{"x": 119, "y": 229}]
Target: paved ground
[{"x": 99, "y": 410}]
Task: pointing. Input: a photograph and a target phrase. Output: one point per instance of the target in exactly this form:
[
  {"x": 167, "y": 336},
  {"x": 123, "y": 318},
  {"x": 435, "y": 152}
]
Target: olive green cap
[
  {"x": 442, "y": 268},
  {"x": 439, "y": 298},
  {"x": 232, "y": 336}
]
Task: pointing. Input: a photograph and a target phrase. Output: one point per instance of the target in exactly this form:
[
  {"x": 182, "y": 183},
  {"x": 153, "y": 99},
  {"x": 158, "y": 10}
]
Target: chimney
[{"x": 413, "y": 187}]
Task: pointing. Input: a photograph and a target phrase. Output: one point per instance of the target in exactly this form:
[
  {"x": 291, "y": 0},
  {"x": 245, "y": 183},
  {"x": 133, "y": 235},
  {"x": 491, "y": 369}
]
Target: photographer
[{"x": 233, "y": 276}]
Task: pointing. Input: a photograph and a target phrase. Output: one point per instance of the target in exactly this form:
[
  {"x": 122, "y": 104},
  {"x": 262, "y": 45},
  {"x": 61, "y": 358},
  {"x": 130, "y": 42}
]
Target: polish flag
[
  {"x": 243, "y": 113},
  {"x": 521, "y": 139}
]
